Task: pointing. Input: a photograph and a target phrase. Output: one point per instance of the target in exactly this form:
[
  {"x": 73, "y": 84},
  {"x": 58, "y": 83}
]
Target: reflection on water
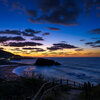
[
  {"x": 28, "y": 69},
  {"x": 78, "y": 69}
]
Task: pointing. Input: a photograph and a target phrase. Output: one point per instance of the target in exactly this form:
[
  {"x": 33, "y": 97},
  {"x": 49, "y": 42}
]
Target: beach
[{"x": 7, "y": 74}]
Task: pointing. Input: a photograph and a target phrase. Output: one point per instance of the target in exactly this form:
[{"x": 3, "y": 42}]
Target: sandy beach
[{"x": 7, "y": 74}]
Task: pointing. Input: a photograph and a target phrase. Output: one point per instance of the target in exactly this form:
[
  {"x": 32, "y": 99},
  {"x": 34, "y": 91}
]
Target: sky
[{"x": 50, "y": 28}]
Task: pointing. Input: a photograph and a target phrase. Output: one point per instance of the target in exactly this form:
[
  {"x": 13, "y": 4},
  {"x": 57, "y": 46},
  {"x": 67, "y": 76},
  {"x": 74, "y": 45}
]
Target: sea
[{"x": 79, "y": 69}]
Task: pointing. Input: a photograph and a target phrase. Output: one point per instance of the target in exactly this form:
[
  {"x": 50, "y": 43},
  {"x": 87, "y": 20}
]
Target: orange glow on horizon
[{"x": 59, "y": 53}]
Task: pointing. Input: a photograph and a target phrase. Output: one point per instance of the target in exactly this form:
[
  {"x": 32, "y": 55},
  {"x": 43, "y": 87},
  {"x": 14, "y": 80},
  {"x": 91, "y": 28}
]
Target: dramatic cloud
[
  {"x": 60, "y": 46},
  {"x": 53, "y": 28},
  {"x": 12, "y": 32},
  {"x": 22, "y": 44},
  {"x": 26, "y": 32},
  {"x": 45, "y": 34},
  {"x": 5, "y": 39},
  {"x": 94, "y": 31},
  {"x": 64, "y": 12},
  {"x": 56, "y": 12},
  {"x": 37, "y": 38}
]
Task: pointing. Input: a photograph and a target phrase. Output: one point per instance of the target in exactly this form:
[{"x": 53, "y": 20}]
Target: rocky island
[{"x": 46, "y": 62}]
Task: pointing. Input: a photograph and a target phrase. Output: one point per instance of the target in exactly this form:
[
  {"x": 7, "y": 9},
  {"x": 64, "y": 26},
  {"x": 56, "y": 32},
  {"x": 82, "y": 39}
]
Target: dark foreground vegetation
[
  {"x": 26, "y": 89},
  {"x": 20, "y": 89},
  {"x": 90, "y": 92}
]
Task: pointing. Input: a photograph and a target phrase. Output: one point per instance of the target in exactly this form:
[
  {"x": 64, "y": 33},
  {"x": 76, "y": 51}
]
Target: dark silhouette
[{"x": 46, "y": 62}]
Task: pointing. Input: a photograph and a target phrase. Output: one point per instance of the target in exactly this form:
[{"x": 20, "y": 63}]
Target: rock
[{"x": 46, "y": 62}]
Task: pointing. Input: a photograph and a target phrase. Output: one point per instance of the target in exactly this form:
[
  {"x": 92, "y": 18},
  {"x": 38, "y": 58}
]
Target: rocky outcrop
[{"x": 46, "y": 62}]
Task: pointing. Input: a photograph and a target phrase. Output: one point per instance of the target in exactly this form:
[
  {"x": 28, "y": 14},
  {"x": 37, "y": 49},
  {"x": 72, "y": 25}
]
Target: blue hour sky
[{"x": 72, "y": 27}]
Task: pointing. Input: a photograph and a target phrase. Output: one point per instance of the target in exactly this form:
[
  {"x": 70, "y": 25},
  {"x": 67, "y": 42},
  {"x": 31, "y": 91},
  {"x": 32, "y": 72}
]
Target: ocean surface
[{"x": 77, "y": 69}]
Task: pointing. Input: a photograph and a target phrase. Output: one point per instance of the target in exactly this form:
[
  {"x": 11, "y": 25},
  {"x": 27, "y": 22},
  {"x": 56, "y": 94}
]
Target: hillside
[{"x": 5, "y": 54}]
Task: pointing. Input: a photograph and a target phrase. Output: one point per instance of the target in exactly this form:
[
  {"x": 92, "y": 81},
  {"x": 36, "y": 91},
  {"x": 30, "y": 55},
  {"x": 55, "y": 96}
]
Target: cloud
[
  {"x": 26, "y": 32},
  {"x": 32, "y": 13},
  {"x": 94, "y": 44},
  {"x": 56, "y": 12},
  {"x": 89, "y": 43},
  {"x": 98, "y": 8},
  {"x": 61, "y": 46},
  {"x": 15, "y": 5},
  {"x": 97, "y": 42},
  {"x": 97, "y": 2},
  {"x": 79, "y": 49},
  {"x": 45, "y": 34},
  {"x": 1, "y": 48},
  {"x": 30, "y": 32},
  {"x": 47, "y": 5},
  {"x": 34, "y": 49},
  {"x": 22, "y": 44},
  {"x": 5, "y": 2},
  {"x": 82, "y": 40},
  {"x": 88, "y": 5},
  {"x": 99, "y": 14},
  {"x": 94, "y": 31},
  {"x": 91, "y": 4},
  {"x": 95, "y": 38},
  {"x": 37, "y": 38},
  {"x": 64, "y": 12},
  {"x": 29, "y": 48},
  {"x": 12, "y": 32},
  {"x": 16, "y": 49},
  {"x": 53, "y": 28},
  {"x": 5, "y": 39}
]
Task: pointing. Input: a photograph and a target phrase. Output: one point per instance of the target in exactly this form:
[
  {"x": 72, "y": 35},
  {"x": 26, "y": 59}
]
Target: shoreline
[{"x": 7, "y": 74}]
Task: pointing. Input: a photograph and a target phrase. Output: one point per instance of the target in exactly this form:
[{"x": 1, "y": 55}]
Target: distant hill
[{"x": 5, "y": 54}]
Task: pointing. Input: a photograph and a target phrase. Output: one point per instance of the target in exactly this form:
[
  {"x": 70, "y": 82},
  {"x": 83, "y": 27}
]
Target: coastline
[{"x": 7, "y": 74}]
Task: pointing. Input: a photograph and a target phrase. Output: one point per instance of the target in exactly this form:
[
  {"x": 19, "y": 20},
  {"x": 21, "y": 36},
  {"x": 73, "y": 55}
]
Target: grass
[
  {"x": 28, "y": 87},
  {"x": 57, "y": 94},
  {"x": 92, "y": 94},
  {"x": 24, "y": 87}
]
